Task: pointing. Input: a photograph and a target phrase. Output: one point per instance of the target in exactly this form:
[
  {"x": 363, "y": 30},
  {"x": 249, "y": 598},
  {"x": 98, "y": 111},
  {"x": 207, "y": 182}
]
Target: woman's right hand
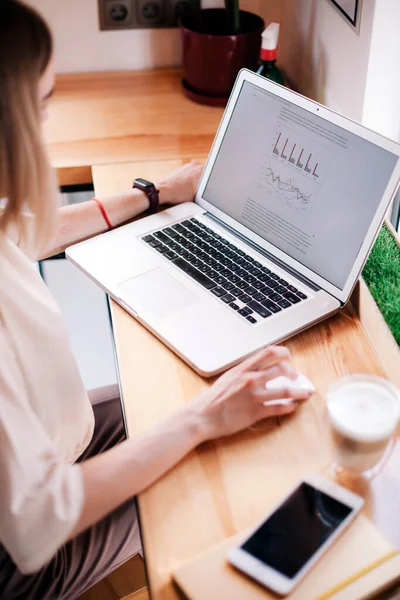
[
  {"x": 239, "y": 398},
  {"x": 234, "y": 402}
]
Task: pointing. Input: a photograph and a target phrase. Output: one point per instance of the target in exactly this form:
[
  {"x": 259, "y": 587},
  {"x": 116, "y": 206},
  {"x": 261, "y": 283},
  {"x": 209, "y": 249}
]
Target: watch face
[{"x": 143, "y": 183}]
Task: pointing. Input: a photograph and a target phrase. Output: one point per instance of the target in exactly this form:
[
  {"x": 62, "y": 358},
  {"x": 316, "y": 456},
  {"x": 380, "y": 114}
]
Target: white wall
[
  {"x": 323, "y": 56},
  {"x": 356, "y": 75},
  {"x": 80, "y": 46},
  {"x": 382, "y": 94}
]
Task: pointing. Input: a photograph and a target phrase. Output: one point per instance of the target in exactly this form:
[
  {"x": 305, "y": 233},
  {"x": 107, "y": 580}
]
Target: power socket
[
  {"x": 116, "y": 14},
  {"x": 132, "y": 14},
  {"x": 150, "y": 13}
]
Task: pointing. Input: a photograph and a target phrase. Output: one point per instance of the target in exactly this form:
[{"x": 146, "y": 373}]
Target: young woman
[{"x": 68, "y": 476}]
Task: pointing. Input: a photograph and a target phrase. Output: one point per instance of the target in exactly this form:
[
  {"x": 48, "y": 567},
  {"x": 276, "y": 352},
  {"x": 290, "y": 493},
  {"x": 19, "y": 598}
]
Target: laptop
[{"x": 289, "y": 204}]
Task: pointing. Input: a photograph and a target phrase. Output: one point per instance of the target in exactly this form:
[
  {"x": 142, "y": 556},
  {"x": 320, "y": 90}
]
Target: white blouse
[{"x": 46, "y": 419}]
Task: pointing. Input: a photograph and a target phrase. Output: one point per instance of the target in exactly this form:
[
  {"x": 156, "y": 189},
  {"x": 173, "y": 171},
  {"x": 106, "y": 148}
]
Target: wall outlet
[
  {"x": 135, "y": 14},
  {"x": 116, "y": 14},
  {"x": 150, "y": 13}
]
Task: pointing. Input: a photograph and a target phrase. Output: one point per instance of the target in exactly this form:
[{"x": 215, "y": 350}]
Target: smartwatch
[{"x": 150, "y": 190}]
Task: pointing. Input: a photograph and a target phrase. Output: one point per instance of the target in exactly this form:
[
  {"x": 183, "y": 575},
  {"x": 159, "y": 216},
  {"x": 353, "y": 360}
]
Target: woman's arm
[
  {"x": 234, "y": 402},
  {"x": 78, "y": 222}
]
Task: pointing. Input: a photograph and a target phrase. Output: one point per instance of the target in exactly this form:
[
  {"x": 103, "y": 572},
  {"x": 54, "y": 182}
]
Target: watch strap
[
  {"x": 151, "y": 192},
  {"x": 154, "y": 197}
]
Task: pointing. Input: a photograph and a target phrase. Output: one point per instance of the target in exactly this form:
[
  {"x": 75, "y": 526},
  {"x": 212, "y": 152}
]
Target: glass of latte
[{"x": 363, "y": 413}]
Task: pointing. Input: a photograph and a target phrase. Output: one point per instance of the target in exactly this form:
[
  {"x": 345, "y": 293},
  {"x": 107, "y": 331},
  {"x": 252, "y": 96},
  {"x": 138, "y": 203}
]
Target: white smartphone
[{"x": 283, "y": 548}]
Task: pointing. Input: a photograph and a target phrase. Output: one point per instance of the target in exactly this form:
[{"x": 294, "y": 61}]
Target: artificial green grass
[{"x": 382, "y": 276}]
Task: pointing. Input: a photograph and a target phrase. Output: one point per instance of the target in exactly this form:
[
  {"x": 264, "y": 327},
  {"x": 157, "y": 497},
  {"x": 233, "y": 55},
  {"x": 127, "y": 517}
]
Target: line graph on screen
[{"x": 293, "y": 170}]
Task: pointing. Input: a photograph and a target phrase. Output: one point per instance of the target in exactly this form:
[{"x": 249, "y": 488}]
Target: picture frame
[{"x": 350, "y": 10}]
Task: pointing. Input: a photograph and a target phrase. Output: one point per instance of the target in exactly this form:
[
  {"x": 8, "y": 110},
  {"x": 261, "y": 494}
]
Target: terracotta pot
[{"x": 212, "y": 57}]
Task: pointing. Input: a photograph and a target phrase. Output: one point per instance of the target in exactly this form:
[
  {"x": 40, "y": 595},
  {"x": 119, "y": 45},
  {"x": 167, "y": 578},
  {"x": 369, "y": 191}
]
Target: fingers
[
  {"x": 298, "y": 394},
  {"x": 259, "y": 379},
  {"x": 189, "y": 169},
  {"x": 276, "y": 410},
  {"x": 265, "y": 366},
  {"x": 195, "y": 169},
  {"x": 262, "y": 395},
  {"x": 256, "y": 383},
  {"x": 265, "y": 358},
  {"x": 281, "y": 369}
]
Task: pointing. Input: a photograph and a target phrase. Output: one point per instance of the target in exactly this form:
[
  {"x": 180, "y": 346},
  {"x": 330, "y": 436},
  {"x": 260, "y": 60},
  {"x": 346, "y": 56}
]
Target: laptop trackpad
[{"x": 157, "y": 291}]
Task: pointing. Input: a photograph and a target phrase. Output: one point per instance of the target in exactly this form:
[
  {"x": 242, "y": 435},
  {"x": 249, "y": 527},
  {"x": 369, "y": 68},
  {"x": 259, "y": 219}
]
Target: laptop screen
[{"x": 302, "y": 183}]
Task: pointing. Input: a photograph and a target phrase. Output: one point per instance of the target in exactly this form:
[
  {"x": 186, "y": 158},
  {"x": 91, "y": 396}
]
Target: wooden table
[
  {"x": 225, "y": 486},
  {"x": 103, "y": 118}
]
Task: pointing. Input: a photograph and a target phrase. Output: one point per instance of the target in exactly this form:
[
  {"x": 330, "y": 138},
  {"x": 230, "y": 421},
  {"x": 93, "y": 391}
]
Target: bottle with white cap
[{"x": 269, "y": 46}]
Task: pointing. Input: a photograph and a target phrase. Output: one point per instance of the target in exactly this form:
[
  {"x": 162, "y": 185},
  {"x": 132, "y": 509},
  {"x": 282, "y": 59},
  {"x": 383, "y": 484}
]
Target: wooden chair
[{"x": 128, "y": 582}]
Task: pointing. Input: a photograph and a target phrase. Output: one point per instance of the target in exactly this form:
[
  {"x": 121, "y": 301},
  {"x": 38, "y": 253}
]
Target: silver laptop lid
[{"x": 306, "y": 184}]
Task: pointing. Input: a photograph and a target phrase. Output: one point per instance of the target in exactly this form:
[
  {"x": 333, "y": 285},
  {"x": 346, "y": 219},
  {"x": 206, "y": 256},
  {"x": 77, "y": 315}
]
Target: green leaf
[{"x": 233, "y": 11}]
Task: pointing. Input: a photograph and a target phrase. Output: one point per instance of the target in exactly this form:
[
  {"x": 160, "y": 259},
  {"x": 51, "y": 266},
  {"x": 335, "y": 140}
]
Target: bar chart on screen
[
  {"x": 293, "y": 169},
  {"x": 306, "y": 156}
]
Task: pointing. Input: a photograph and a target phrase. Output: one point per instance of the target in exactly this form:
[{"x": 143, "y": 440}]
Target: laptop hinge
[{"x": 263, "y": 252}]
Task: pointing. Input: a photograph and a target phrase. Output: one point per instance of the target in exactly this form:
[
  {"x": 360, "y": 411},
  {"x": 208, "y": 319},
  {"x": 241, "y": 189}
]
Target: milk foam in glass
[{"x": 363, "y": 412}]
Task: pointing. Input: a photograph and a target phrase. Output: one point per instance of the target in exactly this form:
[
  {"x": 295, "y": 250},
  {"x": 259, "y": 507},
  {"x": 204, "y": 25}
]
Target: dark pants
[{"x": 86, "y": 559}]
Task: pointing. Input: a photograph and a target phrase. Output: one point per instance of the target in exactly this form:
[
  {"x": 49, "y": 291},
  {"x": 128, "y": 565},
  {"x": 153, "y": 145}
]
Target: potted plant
[{"x": 216, "y": 44}]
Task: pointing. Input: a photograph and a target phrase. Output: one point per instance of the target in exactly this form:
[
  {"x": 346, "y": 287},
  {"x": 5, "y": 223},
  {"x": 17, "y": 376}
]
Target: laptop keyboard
[{"x": 246, "y": 286}]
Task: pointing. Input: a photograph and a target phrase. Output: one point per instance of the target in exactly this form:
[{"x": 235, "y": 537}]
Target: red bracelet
[{"x": 103, "y": 212}]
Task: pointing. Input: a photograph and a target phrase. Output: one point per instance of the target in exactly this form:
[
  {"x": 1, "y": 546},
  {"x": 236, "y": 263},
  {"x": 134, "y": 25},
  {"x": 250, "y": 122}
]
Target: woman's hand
[
  {"x": 180, "y": 186},
  {"x": 239, "y": 398},
  {"x": 77, "y": 222}
]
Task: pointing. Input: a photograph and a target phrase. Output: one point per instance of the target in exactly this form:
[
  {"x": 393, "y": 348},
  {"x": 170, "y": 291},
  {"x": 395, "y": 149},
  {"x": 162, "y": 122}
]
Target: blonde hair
[{"x": 27, "y": 182}]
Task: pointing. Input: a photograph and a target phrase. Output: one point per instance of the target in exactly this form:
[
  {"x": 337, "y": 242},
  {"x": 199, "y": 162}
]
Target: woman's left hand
[{"x": 180, "y": 186}]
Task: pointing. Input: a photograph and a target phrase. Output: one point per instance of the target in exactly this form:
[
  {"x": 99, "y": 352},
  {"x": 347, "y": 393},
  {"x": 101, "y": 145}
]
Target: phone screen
[{"x": 296, "y": 530}]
